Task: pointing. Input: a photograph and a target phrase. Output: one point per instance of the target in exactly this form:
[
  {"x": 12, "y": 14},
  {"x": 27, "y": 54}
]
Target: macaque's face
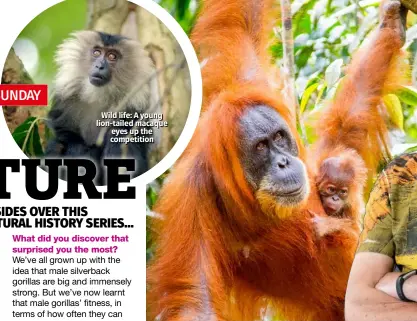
[
  {"x": 333, "y": 197},
  {"x": 103, "y": 61}
]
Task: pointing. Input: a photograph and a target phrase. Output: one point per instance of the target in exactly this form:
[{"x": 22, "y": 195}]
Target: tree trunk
[
  {"x": 174, "y": 84},
  {"x": 410, "y": 4},
  {"x": 288, "y": 69},
  {"x": 14, "y": 72},
  {"x": 171, "y": 90},
  {"x": 107, "y": 15}
]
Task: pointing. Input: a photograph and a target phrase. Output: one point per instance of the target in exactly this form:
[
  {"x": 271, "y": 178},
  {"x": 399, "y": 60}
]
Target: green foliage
[
  {"x": 152, "y": 191},
  {"x": 150, "y": 242},
  {"x": 306, "y": 96},
  {"x": 184, "y": 11},
  {"x": 49, "y": 29},
  {"x": 408, "y": 95},
  {"x": 326, "y": 35},
  {"x": 182, "y": 7},
  {"x": 394, "y": 108},
  {"x": 28, "y": 138}
]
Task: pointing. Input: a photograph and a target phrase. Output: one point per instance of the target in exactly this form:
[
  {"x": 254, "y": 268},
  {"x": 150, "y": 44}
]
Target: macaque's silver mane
[{"x": 72, "y": 79}]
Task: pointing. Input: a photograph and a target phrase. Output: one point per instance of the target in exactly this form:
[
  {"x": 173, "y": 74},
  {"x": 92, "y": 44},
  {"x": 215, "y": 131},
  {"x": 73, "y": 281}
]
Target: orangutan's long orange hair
[{"x": 224, "y": 253}]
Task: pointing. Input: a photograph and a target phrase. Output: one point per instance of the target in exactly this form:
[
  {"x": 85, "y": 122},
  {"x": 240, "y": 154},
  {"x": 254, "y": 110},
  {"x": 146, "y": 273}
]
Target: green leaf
[
  {"x": 395, "y": 110},
  {"x": 321, "y": 89},
  {"x": 27, "y": 137},
  {"x": 412, "y": 149},
  {"x": 303, "y": 55},
  {"x": 408, "y": 95},
  {"x": 301, "y": 19},
  {"x": 311, "y": 119},
  {"x": 351, "y": 8},
  {"x": 277, "y": 51},
  {"x": 36, "y": 146},
  {"x": 333, "y": 72},
  {"x": 182, "y": 7},
  {"x": 411, "y": 35},
  {"x": 399, "y": 149},
  {"x": 306, "y": 96},
  {"x": 21, "y": 131}
]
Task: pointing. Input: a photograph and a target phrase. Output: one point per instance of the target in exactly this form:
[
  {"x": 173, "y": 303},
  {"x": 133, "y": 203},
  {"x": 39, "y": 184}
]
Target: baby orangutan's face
[{"x": 333, "y": 197}]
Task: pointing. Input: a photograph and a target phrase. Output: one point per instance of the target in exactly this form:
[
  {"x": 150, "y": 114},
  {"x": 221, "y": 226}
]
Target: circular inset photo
[{"x": 117, "y": 85}]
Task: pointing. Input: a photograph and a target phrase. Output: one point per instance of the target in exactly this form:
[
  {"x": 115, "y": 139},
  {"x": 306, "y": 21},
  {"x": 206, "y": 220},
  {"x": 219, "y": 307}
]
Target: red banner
[{"x": 23, "y": 95}]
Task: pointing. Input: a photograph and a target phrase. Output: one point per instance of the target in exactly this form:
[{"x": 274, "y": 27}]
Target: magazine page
[{"x": 208, "y": 160}]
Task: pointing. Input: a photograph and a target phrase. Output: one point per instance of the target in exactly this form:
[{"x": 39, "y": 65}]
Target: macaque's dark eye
[
  {"x": 96, "y": 53},
  {"x": 112, "y": 56},
  {"x": 262, "y": 145},
  {"x": 279, "y": 136},
  {"x": 331, "y": 189},
  {"x": 343, "y": 192}
]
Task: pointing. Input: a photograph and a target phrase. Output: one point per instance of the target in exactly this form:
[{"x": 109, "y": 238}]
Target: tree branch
[
  {"x": 14, "y": 72},
  {"x": 410, "y": 5},
  {"x": 108, "y": 15},
  {"x": 289, "y": 65}
]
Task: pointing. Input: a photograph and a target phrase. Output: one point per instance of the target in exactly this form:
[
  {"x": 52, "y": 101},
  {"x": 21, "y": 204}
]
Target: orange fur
[
  {"x": 353, "y": 126},
  {"x": 224, "y": 253},
  {"x": 354, "y": 119}
]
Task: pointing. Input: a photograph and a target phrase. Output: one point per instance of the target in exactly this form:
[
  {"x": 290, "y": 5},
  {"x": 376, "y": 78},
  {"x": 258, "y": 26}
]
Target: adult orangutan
[{"x": 244, "y": 231}]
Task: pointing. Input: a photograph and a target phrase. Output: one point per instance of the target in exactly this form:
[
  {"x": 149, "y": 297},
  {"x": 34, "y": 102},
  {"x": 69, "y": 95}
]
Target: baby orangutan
[{"x": 340, "y": 181}]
